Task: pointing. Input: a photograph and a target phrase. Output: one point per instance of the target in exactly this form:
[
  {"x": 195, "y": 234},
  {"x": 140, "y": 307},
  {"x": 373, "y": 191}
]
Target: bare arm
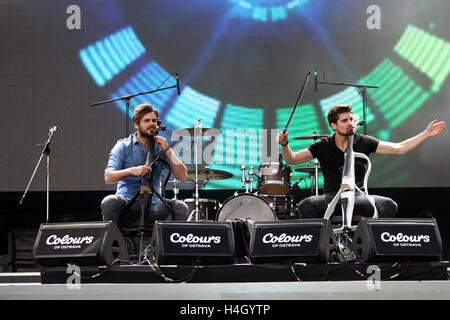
[
  {"x": 179, "y": 169},
  {"x": 434, "y": 128},
  {"x": 290, "y": 156},
  {"x": 117, "y": 175}
]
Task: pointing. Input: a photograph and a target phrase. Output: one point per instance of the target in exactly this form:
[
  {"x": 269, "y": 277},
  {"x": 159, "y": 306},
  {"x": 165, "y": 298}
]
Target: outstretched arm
[
  {"x": 434, "y": 128},
  {"x": 290, "y": 156}
]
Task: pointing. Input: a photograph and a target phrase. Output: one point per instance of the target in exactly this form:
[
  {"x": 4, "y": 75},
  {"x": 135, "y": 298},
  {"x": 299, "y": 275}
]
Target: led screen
[{"x": 241, "y": 66}]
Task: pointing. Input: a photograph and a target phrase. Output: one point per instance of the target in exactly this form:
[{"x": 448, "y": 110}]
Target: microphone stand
[
  {"x": 45, "y": 151},
  {"x": 127, "y": 103},
  {"x": 362, "y": 88}
]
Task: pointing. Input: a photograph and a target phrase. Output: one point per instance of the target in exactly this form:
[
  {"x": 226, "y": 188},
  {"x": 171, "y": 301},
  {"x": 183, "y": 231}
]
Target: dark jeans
[
  {"x": 315, "y": 206},
  {"x": 113, "y": 204}
]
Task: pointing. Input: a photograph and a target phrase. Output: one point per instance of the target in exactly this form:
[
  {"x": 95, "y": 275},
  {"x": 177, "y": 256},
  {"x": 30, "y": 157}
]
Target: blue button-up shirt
[{"x": 129, "y": 153}]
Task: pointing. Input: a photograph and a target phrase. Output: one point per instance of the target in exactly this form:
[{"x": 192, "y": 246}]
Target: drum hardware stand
[
  {"x": 196, "y": 185},
  {"x": 243, "y": 167},
  {"x": 163, "y": 191},
  {"x": 45, "y": 151},
  {"x": 247, "y": 182},
  {"x": 251, "y": 173},
  {"x": 314, "y": 178},
  {"x": 316, "y": 174},
  {"x": 175, "y": 188},
  {"x": 196, "y": 141}
]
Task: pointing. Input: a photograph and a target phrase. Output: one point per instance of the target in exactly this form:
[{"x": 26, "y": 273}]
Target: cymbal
[
  {"x": 206, "y": 132},
  {"x": 188, "y": 185},
  {"x": 313, "y": 136},
  {"x": 308, "y": 169},
  {"x": 209, "y": 174}
]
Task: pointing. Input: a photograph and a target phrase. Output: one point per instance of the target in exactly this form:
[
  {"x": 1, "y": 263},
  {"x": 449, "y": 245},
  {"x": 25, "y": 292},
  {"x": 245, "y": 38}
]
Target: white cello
[{"x": 348, "y": 187}]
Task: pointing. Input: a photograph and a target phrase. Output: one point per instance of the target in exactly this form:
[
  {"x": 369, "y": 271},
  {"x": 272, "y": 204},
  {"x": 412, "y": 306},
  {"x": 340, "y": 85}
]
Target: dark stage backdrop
[{"x": 241, "y": 64}]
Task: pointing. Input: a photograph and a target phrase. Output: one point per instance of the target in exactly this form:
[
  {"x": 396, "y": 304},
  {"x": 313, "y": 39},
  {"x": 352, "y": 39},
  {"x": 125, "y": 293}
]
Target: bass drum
[
  {"x": 283, "y": 206},
  {"x": 245, "y": 206}
]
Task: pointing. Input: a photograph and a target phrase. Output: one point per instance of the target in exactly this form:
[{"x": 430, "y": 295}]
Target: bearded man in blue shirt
[{"x": 126, "y": 167}]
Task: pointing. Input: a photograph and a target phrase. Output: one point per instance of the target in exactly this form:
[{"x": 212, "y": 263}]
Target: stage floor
[
  {"x": 331, "y": 290},
  {"x": 333, "y": 281}
]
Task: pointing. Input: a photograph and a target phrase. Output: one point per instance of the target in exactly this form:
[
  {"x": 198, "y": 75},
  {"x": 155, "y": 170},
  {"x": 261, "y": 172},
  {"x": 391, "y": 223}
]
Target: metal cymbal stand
[
  {"x": 316, "y": 173},
  {"x": 196, "y": 141},
  {"x": 175, "y": 188},
  {"x": 251, "y": 174}
]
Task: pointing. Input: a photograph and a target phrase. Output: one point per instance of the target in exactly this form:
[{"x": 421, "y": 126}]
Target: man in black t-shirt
[{"x": 330, "y": 152}]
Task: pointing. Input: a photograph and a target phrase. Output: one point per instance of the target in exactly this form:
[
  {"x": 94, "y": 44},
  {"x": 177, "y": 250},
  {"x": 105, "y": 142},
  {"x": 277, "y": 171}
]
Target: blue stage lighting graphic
[
  {"x": 267, "y": 10},
  {"x": 108, "y": 57},
  {"x": 148, "y": 78},
  {"x": 398, "y": 97}
]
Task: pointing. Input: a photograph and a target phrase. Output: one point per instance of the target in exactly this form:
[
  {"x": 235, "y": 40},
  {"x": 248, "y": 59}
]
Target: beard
[
  {"x": 145, "y": 134},
  {"x": 347, "y": 133}
]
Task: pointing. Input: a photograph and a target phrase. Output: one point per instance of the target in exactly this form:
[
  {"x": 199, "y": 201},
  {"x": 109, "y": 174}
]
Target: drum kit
[{"x": 273, "y": 199}]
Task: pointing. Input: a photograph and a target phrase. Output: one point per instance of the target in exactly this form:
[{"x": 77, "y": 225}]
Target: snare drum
[
  {"x": 274, "y": 179},
  {"x": 207, "y": 209},
  {"x": 245, "y": 206}
]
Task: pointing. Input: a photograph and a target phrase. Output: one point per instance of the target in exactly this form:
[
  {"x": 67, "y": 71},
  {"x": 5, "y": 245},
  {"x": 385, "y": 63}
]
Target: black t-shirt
[{"x": 331, "y": 159}]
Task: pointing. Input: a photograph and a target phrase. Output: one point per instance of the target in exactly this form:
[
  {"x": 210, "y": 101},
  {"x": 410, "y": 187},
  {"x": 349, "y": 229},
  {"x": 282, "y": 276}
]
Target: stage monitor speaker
[
  {"x": 308, "y": 240},
  {"x": 390, "y": 239},
  {"x": 80, "y": 243},
  {"x": 208, "y": 242}
]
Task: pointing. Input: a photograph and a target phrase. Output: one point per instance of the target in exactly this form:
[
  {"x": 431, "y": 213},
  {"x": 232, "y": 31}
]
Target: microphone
[
  {"x": 158, "y": 125},
  {"x": 356, "y": 121},
  {"x": 315, "y": 79},
  {"x": 178, "y": 82}
]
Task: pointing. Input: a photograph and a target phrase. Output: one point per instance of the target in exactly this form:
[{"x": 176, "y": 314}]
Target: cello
[{"x": 348, "y": 187}]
